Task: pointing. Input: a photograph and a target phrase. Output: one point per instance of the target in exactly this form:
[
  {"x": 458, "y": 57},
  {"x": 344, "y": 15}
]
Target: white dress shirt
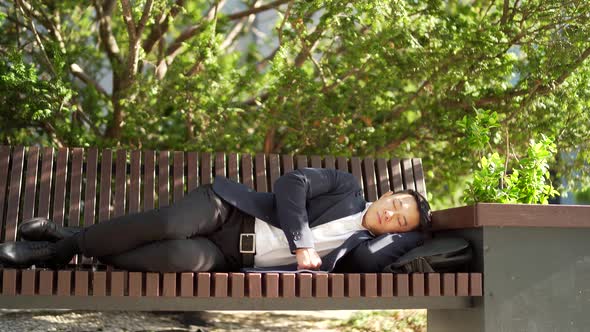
[{"x": 272, "y": 248}]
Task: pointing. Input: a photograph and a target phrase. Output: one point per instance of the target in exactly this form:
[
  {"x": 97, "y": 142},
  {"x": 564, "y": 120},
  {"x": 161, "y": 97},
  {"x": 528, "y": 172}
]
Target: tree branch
[
  {"x": 147, "y": 9},
  {"x": 161, "y": 27},
  {"x": 78, "y": 72},
  {"x": 134, "y": 36},
  {"x": 128, "y": 18},
  {"x": 505, "y": 10},
  {"x": 285, "y": 18},
  {"x": 257, "y": 10},
  {"x": 313, "y": 39},
  {"x": 107, "y": 39},
  {"x": 235, "y": 31}
]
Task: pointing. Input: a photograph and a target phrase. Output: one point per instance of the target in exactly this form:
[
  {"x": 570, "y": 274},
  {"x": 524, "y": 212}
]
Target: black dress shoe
[
  {"x": 25, "y": 253},
  {"x": 42, "y": 229}
]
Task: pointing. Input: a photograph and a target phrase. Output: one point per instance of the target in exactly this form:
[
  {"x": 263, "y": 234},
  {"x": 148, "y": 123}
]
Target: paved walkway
[{"x": 210, "y": 321}]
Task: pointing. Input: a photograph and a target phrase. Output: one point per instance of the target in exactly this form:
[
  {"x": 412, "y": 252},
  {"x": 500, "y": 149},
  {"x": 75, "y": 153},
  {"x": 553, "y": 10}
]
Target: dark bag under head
[{"x": 435, "y": 255}]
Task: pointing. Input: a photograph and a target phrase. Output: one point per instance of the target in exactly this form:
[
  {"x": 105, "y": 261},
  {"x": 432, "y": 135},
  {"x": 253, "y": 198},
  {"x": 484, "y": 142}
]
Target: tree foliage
[{"x": 381, "y": 78}]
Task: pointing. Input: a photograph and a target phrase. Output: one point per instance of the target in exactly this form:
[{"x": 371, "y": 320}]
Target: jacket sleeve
[
  {"x": 374, "y": 255},
  {"x": 294, "y": 190}
]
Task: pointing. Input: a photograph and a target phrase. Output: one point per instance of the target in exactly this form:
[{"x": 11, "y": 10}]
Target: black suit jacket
[{"x": 308, "y": 197}]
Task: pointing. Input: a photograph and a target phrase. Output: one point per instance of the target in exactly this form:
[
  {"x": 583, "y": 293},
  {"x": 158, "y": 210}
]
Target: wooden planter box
[{"x": 535, "y": 260}]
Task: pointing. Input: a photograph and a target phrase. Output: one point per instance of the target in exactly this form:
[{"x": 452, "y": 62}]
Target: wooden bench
[{"x": 86, "y": 186}]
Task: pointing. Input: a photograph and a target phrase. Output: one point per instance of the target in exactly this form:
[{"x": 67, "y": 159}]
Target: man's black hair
[{"x": 423, "y": 208}]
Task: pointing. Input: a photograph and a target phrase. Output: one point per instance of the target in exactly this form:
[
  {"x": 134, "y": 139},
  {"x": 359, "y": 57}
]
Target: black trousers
[{"x": 200, "y": 232}]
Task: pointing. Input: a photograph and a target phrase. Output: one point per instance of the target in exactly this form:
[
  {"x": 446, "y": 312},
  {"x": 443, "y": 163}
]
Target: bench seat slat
[
  {"x": 203, "y": 284},
  {"x": 28, "y": 280},
  {"x": 305, "y": 284},
  {"x": 369, "y": 285},
  {"x": 64, "y": 283},
  {"x": 321, "y": 285},
  {"x": 99, "y": 283},
  {"x": 353, "y": 285},
  {"x": 152, "y": 284},
  {"x": 336, "y": 285},
  {"x": 254, "y": 284},
  {"x": 135, "y": 284},
  {"x": 187, "y": 284},
  {"x": 417, "y": 282},
  {"x": 402, "y": 285},
  {"x": 81, "y": 283},
  {"x": 237, "y": 286},
  {"x": 117, "y": 286},
  {"x": 386, "y": 285},
  {"x": 220, "y": 287},
  {"x": 433, "y": 286},
  {"x": 448, "y": 284},
  {"x": 271, "y": 285},
  {"x": 288, "y": 288},
  {"x": 169, "y": 284}
]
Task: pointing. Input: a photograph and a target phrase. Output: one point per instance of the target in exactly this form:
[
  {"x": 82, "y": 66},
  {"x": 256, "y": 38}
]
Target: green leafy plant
[{"x": 525, "y": 180}]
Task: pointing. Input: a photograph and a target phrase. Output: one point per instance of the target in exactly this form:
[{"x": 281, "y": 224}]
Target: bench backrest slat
[
  {"x": 206, "y": 166},
  {"x": 316, "y": 161},
  {"x": 397, "y": 183},
  {"x": 4, "y": 163},
  {"x": 260, "y": 169},
  {"x": 382, "y": 176},
  {"x": 301, "y": 161},
  {"x": 163, "y": 179},
  {"x": 120, "y": 182},
  {"x": 419, "y": 176},
  {"x": 246, "y": 168},
  {"x": 178, "y": 174},
  {"x": 134, "y": 181},
  {"x": 46, "y": 180},
  {"x": 14, "y": 193},
  {"x": 31, "y": 182},
  {"x": 219, "y": 164},
  {"x": 369, "y": 176},
  {"x": 90, "y": 190},
  {"x": 59, "y": 192},
  {"x": 75, "y": 186},
  {"x": 408, "y": 174},
  {"x": 104, "y": 204},
  {"x": 149, "y": 174},
  {"x": 274, "y": 165}
]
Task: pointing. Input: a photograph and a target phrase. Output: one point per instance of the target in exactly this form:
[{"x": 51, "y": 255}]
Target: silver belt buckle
[{"x": 245, "y": 251}]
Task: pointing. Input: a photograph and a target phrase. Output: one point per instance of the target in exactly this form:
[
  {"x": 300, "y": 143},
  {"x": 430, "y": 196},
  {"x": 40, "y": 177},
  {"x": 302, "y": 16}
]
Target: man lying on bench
[{"x": 316, "y": 219}]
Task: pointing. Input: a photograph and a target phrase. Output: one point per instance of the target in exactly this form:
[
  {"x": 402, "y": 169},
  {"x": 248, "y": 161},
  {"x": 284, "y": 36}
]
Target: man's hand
[{"x": 307, "y": 259}]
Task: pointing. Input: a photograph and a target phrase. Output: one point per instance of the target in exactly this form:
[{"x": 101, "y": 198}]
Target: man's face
[{"x": 392, "y": 213}]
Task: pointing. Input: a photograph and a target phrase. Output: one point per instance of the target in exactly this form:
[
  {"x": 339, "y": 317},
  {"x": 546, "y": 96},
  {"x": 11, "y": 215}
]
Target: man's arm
[
  {"x": 294, "y": 189},
  {"x": 374, "y": 255}
]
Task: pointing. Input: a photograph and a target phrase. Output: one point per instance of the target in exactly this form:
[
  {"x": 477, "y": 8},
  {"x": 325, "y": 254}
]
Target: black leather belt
[{"x": 248, "y": 242}]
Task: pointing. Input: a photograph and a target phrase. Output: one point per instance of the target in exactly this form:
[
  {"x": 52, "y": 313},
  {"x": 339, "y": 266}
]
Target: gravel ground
[{"x": 209, "y": 321}]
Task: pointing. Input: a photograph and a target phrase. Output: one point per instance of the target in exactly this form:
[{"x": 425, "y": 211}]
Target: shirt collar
[{"x": 363, "y": 215}]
